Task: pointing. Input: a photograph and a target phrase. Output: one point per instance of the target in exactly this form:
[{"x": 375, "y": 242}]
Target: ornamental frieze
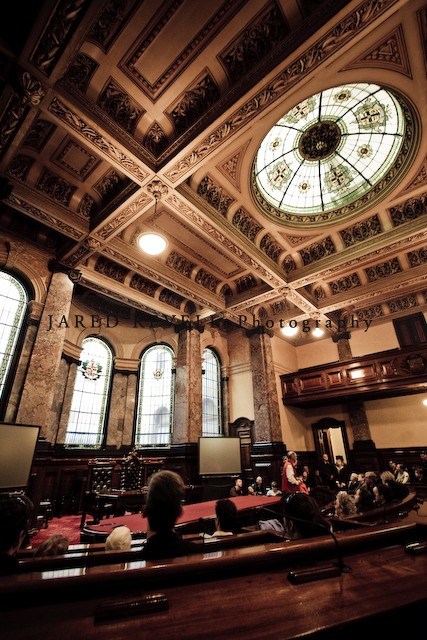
[
  {"x": 383, "y": 270},
  {"x": 80, "y": 72},
  {"x": 120, "y": 107},
  {"x": 344, "y": 284},
  {"x": 371, "y": 313},
  {"x": 47, "y": 218},
  {"x": 409, "y": 210},
  {"x": 108, "y": 24},
  {"x": 418, "y": 257},
  {"x": 361, "y": 231},
  {"x": 260, "y": 37},
  {"x": 180, "y": 264},
  {"x": 207, "y": 280},
  {"x": 111, "y": 269},
  {"x": 39, "y": 134},
  {"x": 317, "y": 251},
  {"x": 194, "y": 103},
  {"x": 402, "y": 304},
  {"x": 271, "y": 247},
  {"x": 246, "y": 224},
  {"x": 214, "y": 195},
  {"x": 143, "y": 285},
  {"x": 56, "y": 34}
]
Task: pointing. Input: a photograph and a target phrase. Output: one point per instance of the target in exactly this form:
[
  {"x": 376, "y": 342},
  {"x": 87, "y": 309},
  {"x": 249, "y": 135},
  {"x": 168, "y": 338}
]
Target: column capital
[{"x": 56, "y": 267}]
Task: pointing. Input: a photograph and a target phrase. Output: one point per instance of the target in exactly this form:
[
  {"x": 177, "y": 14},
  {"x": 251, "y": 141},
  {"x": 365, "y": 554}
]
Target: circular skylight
[{"x": 329, "y": 151}]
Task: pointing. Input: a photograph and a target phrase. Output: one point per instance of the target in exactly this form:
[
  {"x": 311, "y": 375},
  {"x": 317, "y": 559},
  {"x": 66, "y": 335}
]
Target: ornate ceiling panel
[{"x": 122, "y": 117}]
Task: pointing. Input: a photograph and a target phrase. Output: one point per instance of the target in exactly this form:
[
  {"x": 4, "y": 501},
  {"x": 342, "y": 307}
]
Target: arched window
[
  {"x": 211, "y": 394},
  {"x": 13, "y": 303},
  {"x": 155, "y": 398},
  {"x": 86, "y": 422}
]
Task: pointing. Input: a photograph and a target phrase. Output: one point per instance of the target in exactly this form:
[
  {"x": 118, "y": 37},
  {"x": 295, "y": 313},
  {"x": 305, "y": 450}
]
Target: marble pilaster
[
  {"x": 116, "y": 417},
  {"x": 187, "y": 420},
  {"x": 58, "y": 399},
  {"x": 40, "y": 382},
  {"x": 342, "y": 341},
  {"x": 225, "y": 402},
  {"x": 66, "y": 404},
  {"x": 132, "y": 381},
  {"x": 358, "y": 420},
  {"x": 266, "y": 403}
]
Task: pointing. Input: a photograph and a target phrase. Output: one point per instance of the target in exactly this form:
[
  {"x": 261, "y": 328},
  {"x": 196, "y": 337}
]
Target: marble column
[
  {"x": 116, "y": 418},
  {"x": 131, "y": 393},
  {"x": 58, "y": 400},
  {"x": 40, "y": 382},
  {"x": 187, "y": 419},
  {"x": 35, "y": 310},
  {"x": 266, "y": 402},
  {"x": 342, "y": 341}
]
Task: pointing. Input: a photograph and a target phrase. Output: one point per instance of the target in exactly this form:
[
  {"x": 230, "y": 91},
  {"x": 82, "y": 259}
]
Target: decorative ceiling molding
[
  {"x": 231, "y": 167},
  {"x": 331, "y": 42},
  {"x": 389, "y": 53},
  {"x": 71, "y": 119}
]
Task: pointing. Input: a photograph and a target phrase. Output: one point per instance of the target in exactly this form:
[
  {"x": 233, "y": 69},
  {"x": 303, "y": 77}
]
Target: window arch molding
[
  {"x": 211, "y": 393},
  {"x": 88, "y": 416},
  {"x": 155, "y": 397}
]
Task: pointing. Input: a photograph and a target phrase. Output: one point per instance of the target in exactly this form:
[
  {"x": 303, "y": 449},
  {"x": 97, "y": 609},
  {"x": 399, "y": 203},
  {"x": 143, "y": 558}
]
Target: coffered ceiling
[{"x": 123, "y": 117}]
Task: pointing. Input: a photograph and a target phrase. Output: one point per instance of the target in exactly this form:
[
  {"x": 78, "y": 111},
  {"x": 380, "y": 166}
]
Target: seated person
[
  {"x": 15, "y": 512},
  {"x": 420, "y": 476},
  {"x": 237, "y": 490},
  {"x": 166, "y": 492},
  {"x": 302, "y": 487},
  {"x": 383, "y": 495},
  {"x": 402, "y": 475},
  {"x": 56, "y": 545},
  {"x": 302, "y": 516},
  {"x": 364, "y": 501},
  {"x": 258, "y": 487},
  {"x": 120, "y": 539},
  {"x": 345, "y": 505},
  {"x": 226, "y": 522},
  {"x": 398, "y": 489},
  {"x": 274, "y": 491},
  {"x": 352, "y": 484}
]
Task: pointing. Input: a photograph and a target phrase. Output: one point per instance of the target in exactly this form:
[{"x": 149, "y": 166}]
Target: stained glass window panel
[
  {"x": 211, "y": 394},
  {"x": 87, "y": 417},
  {"x": 155, "y": 401}
]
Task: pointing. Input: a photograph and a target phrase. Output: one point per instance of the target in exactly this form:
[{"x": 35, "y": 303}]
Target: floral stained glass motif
[
  {"x": 211, "y": 394},
  {"x": 13, "y": 303},
  {"x": 155, "y": 398},
  {"x": 330, "y": 150},
  {"x": 87, "y": 419}
]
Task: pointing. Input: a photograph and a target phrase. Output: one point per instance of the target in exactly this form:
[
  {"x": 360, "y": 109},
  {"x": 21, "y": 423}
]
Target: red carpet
[{"x": 68, "y": 526}]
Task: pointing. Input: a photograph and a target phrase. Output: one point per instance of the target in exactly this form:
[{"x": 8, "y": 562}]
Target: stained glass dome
[{"x": 329, "y": 151}]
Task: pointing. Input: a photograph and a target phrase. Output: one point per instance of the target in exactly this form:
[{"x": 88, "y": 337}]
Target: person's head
[
  {"x": 292, "y": 456},
  {"x": 166, "y": 492},
  {"x": 56, "y": 545},
  {"x": 226, "y": 515},
  {"x": 363, "y": 500},
  {"x": 305, "y": 468},
  {"x": 339, "y": 461},
  {"x": 14, "y": 514},
  {"x": 345, "y": 505},
  {"x": 419, "y": 474},
  {"x": 361, "y": 477},
  {"x": 325, "y": 457},
  {"x": 383, "y": 494},
  {"x": 400, "y": 467},
  {"x": 305, "y": 508},
  {"x": 251, "y": 491},
  {"x": 274, "y": 486},
  {"x": 353, "y": 477},
  {"x": 239, "y": 483},
  {"x": 119, "y": 539},
  {"x": 258, "y": 480},
  {"x": 386, "y": 477},
  {"x": 371, "y": 478},
  {"x": 423, "y": 456}
]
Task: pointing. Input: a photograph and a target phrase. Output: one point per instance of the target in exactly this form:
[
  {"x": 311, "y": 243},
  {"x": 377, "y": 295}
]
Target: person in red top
[{"x": 290, "y": 482}]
